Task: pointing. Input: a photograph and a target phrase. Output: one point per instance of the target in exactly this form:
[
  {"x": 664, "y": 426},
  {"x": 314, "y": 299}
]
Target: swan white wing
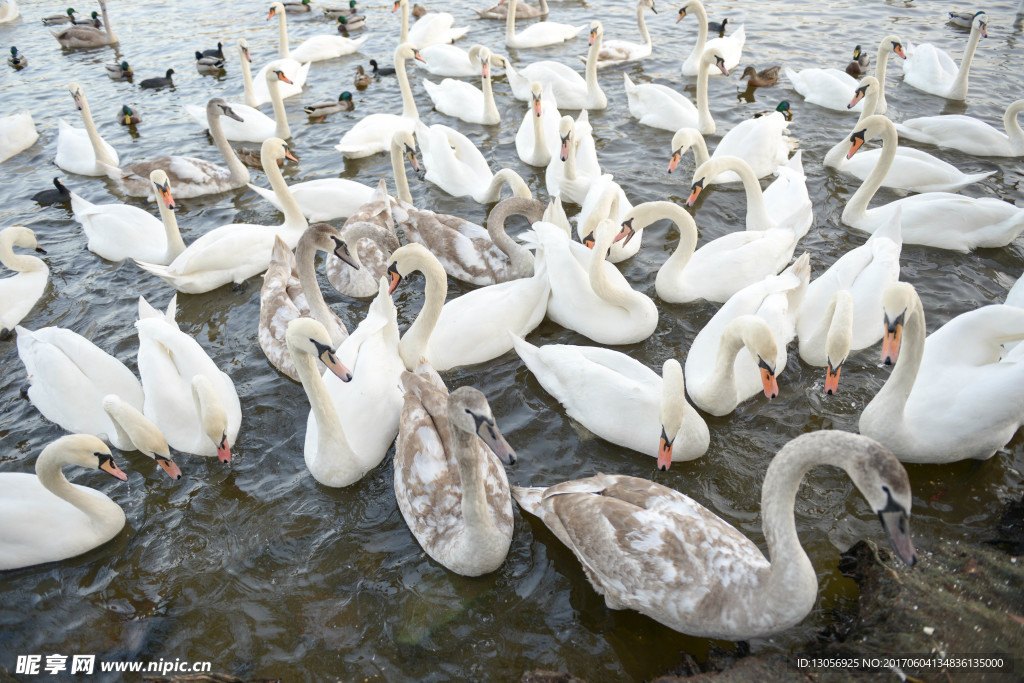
[
  {"x": 957, "y": 131},
  {"x": 761, "y": 142},
  {"x": 456, "y": 98},
  {"x": 619, "y": 51},
  {"x": 434, "y": 28},
  {"x": 544, "y": 33},
  {"x": 17, "y": 133},
  {"x": 786, "y": 199},
  {"x": 255, "y": 126},
  {"x": 568, "y": 86},
  {"x": 75, "y": 153},
  {"x": 730, "y": 46},
  {"x": 324, "y": 199},
  {"x": 659, "y": 106},
  {"x": 912, "y": 169},
  {"x": 829, "y": 88},
  {"x": 323, "y": 47},
  {"x": 951, "y": 221},
  {"x": 292, "y": 68},
  {"x": 119, "y": 231},
  {"x": 373, "y": 133},
  {"x": 447, "y": 60},
  {"x": 929, "y": 69}
]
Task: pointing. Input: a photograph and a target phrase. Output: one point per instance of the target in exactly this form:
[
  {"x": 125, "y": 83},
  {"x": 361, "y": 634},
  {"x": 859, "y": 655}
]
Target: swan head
[
  {"x": 306, "y": 335},
  {"x": 218, "y": 107},
  {"x": 407, "y": 51},
  {"x": 20, "y": 236},
  {"x": 682, "y": 141},
  {"x": 325, "y": 237},
  {"x": 409, "y": 258},
  {"x": 405, "y": 143},
  {"x": 162, "y": 187},
  {"x": 143, "y": 434},
  {"x": 243, "y": 48},
  {"x": 536, "y": 94},
  {"x": 673, "y": 397},
  {"x": 212, "y": 416},
  {"x": 275, "y": 8},
  {"x": 273, "y": 150},
  {"x": 760, "y": 343},
  {"x": 84, "y": 450},
  {"x": 897, "y": 46},
  {"x": 713, "y": 57},
  {"x": 566, "y": 128},
  {"x": 866, "y": 83},
  {"x": 838, "y": 339},
  {"x": 596, "y": 32},
  {"x": 874, "y": 125},
  {"x": 469, "y": 412},
  {"x": 77, "y": 95},
  {"x": 898, "y": 303},
  {"x": 980, "y": 24},
  {"x": 649, "y": 4},
  {"x": 275, "y": 73},
  {"x": 682, "y": 12}
]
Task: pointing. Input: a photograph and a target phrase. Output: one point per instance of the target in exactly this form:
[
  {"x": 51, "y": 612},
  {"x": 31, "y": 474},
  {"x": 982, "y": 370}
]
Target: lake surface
[{"x": 263, "y": 572}]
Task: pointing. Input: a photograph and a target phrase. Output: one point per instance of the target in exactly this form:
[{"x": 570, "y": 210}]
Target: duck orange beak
[
  {"x": 768, "y": 380},
  {"x": 832, "y": 378},
  {"x": 664, "y": 451}
]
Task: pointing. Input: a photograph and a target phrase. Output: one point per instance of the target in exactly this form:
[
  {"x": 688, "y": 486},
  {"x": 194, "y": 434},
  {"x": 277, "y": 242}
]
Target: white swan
[
  {"x": 370, "y": 236},
  {"x": 570, "y": 174},
  {"x": 448, "y": 61},
  {"x": 456, "y": 166},
  {"x": 253, "y": 125},
  {"x": 832, "y": 88},
  {"x": 968, "y": 134},
  {"x": 571, "y": 90},
  {"x": 840, "y": 309},
  {"x": 760, "y": 317},
  {"x": 647, "y": 547},
  {"x": 984, "y": 222},
  {"x": 88, "y": 36},
  {"x": 620, "y": 399},
  {"x": 20, "y": 293},
  {"x": 431, "y": 29},
  {"x": 761, "y": 142},
  {"x": 191, "y": 177},
  {"x": 912, "y": 169},
  {"x": 932, "y": 70},
  {"x": 596, "y": 300},
  {"x": 463, "y": 101},
  {"x": 949, "y": 397},
  {"x": 17, "y": 133},
  {"x": 607, "y": 199},
  {"x": 523, "y": 11},
  {"x": 328, "y": 455},
  {"x": 622, "y": 51},
  {"x": 731, "y": 46},
  {"x": 315, "y": 49},
  {"x": 721, "y": 267},
  {"x": 82, "y": 150},
  {"x": 450, "y": 485},
  {"x": 120, "y": 231},
  {"x": 237, "y": 251},
  {"x": 784, "y": 203},
  {"x": 47, "y": 518},
  {"x": 540, "y": 34},
  {"x": 188, "y": 397},
  {"x": 290, "y": 290},
  {"x": 473, "y": 328},
  {"x": 537, "y": 139},
  {"x": 659, "y": 106},
  {"x": 9, "y": 11},
  {"x": 373, "y": 133}
]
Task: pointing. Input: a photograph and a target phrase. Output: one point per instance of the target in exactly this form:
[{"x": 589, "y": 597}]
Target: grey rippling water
[{"x": 260, "y": 570}]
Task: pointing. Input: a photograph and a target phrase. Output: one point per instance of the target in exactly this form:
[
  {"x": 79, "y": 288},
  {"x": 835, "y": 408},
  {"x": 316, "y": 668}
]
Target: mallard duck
[
  {"x": 128, "y": 116},
  {"x": 859, "y": 64},
  {"x": 379, "y": 71},
  {"x": 303, "y": 6},
  {"x": 16, "y": 60},
  {"x": 961, "y": 19},
  {"x": 418, "y": 11},
  {"x": 209, "y": 64},
  {"x": 119, "y": 72},
  {"x": 158, "y": 82},
  {"x": 769, "y": 76},
  {"x": 218, "y": 52},
  {"x": 67, "y": 18},
  {"x": 320, "y": 110},
  {"x": 363, "y": 79},
  {"x": 61, "y": 194},
  {"x": 93, "y": 20},
  {"x": 783, "y": 108},
  {"x": 346, "y": 24},
  {"x": 335, "y": 12}
]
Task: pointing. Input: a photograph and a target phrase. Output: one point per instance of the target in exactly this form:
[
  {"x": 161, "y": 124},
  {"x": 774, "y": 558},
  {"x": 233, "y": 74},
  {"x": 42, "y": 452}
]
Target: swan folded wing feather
[{"x": 454, "y": 98}]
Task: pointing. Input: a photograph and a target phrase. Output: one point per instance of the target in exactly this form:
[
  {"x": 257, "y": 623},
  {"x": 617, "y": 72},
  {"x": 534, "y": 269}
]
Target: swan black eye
[
  {"x": 762, "y": 363},
  {"x": 859, "y": 135}
]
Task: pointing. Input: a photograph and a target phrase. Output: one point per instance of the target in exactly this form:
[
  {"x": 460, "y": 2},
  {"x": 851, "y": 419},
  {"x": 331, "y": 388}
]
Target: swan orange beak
[
  {"x": 108, "y": 465},
  {"x": 395, "y": 8},
  {"x": 485, "y": 69},
  {"x": 394, "y": 277},
  {"x": 682, "y": 14},
  {"x": 768, "y": 380},
  {"x": 892, "y": 340},
  {"x": 328, "y": 358},
  {"x": 856, "y": 142},
  {"x": 898, "y": 49},
  {"x": 593, "y": 36},
  {"x": 589, "y": 241},
  {"x": 984, "y": 30},
  {"x": 626, "y": 233},
  {"x": 674, "y": 161},
  {"x": 858, "y": 95},
  {"x": 563, "y": 153},
  {"x": 288, "y": 155},
  {"x": 224, "y": 450},
  {"x": 416, "y": 54},
  {"x": 832, "y": 378},
  {"x": 168, "y": 466},
  {"x": 720, "y": 63},
  {"x": 248, "y": 57},
  {"x": 695, "y": 191},
  {"x": 282, "y": 77},
  {"x": 536, "y": 107},
  {"x": 165, "y": 194},
  {"x": 270, "y": 15},
  {"x": 77, "y": 97},
  {"x": 664, "y": 451},
  {"x": 413, "y": 160}
]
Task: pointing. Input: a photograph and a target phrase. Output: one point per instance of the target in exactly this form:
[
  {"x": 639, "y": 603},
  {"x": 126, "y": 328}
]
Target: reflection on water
[{"x": 260, "y": 570}]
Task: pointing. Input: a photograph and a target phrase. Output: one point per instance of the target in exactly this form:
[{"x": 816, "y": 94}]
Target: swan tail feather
[{"x": 529, "y": 498}]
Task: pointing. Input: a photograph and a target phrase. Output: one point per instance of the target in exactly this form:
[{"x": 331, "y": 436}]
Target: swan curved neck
[
  {"x": 106, "y": 23},
  {"x": 641, "y": 23},
  {"x": 599, "y": 282},
  {"x": 889, "y": 403},
  {"x": 48, "y": 469},
  {"x": 649, "y": 212},
  {"x": 293, "y": 217},
  {"x": 506, "y": 175},
  {"x": 175, "y": 245},
  {"x": 490, "y": 108},
  {"x": 98, "y": 147},
  {"x": 239, "y": 173},
  {"x": 702, "y": 31},
  {"x": 476, "y": 515},
  {"x": 405, "y": 23},
  {"x": 720, "y": 387},
  {"x": 398, "y": 170},
  {"x": 408, "y": 103},
  {"x": 594, "y": 93},
  {"x": 333, "y": 452},
  {"x": 1012, "y": 126},
  {"x": 22, "y": 263},
  {"x": 878, "y": 104},
  {"x": 282, "y": 129},
  {"x": 283, "y": 52},
  {"x": 959, "y": 89},
  {"x": 250, "y": 95},
  {"x": 510, "y": 22},
  {"x": 305, "y": 264},
  {"x": 757, "y": 210},
  {"x": 413, "y": 344},
  {"x": 705, "y": 122},
  {"x": 857, "y": 207},
  {"x": 519, "y": 256}
]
